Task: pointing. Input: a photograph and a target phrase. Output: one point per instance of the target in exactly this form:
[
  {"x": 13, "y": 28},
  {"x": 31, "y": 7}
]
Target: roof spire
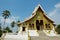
[{"x": 36, "y": 8}]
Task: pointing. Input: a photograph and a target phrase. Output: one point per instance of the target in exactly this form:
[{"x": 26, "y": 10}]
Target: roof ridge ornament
[{"x": 36, "y": 8}]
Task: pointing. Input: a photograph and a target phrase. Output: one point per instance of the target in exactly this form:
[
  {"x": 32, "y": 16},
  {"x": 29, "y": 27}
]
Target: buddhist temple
[
  {"x": 37, "y": 21},
  {"x": 36, "y": 27}
]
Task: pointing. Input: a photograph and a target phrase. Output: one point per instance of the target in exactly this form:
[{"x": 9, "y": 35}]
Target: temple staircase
[{"x": 43, "y": 36}]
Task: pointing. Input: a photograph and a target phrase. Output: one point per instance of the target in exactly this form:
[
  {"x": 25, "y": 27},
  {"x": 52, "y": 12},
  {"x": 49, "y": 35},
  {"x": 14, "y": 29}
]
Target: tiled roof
[{"x": 35, "y": 14}]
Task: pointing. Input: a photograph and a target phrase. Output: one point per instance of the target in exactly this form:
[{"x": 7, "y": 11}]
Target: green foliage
[
  {"x": 0, "y": 26},
  {"x": 5, "y": 14},
  {"x": 0, "y": 30},
  {"x": 58, "y": 29},
  {"x": 13, "y": 24},
  {"x": 0, "y": 33},
  {"x": 18, "y": 23},
  {"x": 16, "y": 31},
  {"x": 7, "y": 29}
]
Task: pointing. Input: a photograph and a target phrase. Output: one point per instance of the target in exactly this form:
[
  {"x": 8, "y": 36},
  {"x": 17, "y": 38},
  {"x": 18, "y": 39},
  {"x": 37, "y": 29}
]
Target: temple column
[{"x": 35, "y": 25}]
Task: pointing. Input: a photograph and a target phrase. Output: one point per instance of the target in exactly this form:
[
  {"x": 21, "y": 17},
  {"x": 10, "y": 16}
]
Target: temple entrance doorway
[
  {"x": 41, "y": 24},
  {"x": 37, "y": 25},
  {"x": 23, "y": 28},
  {"x": 38, "y": 28}
]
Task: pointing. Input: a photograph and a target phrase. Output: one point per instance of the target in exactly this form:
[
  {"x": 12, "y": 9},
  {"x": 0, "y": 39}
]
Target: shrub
[
  {"x": 0, "y": 33},
  {"x": 58, "y": 29}
]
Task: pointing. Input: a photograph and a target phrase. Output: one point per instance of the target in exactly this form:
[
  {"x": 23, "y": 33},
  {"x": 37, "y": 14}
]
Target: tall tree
[
  {"x": 18, "y": 23},
  {"x": 5, "y": 14},
  {"x": 12, "y": 24},
  {"x": 57, "y": 29}
]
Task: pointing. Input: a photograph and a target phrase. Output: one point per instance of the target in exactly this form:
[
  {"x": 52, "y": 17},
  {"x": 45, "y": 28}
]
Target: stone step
[{"x": 43, "y": 36}]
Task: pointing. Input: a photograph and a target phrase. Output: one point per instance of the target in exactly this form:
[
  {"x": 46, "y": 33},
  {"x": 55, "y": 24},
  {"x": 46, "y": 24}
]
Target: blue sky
[
  {"x": 24, "y": 8},
  {"x": 21, "y": 9}
]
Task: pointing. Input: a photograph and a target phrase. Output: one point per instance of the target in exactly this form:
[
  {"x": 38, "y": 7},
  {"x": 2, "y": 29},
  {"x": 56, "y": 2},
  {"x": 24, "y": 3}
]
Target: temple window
[
  {"x": 41, "y": 22},
  {"x": 33, "y": 26},
  {"x": 37, "y": 21},
  {"x": 30, "y": 26},
  {"x": 47, "y": 26}
]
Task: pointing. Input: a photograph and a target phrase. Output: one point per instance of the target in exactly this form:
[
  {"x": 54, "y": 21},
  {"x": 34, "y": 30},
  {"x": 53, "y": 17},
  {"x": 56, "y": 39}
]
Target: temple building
[
  {"x": 37, "y": 21},
  {"x": 31, "y": 28}
]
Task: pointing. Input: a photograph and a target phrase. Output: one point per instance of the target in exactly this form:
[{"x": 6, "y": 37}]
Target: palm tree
[
  {"x": 13, "y": 24},
  {"x": 5, "y": 14},
  {"x": 18, "y": 23}
]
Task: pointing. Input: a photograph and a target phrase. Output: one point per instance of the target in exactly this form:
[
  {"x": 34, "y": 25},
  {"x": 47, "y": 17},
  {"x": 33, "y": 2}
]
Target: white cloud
[
  {"x": 9, "y": 20},
  {"x": 52, "y": 13},
  {"x": 57, "y": 5},
  {"x": 55, "y": 14}
]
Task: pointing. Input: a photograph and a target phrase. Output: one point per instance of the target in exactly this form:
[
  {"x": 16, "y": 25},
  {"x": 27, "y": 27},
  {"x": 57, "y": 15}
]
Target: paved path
[
  {"x": 21, "y": 36},
  {"x": 43, "y": 36}
]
